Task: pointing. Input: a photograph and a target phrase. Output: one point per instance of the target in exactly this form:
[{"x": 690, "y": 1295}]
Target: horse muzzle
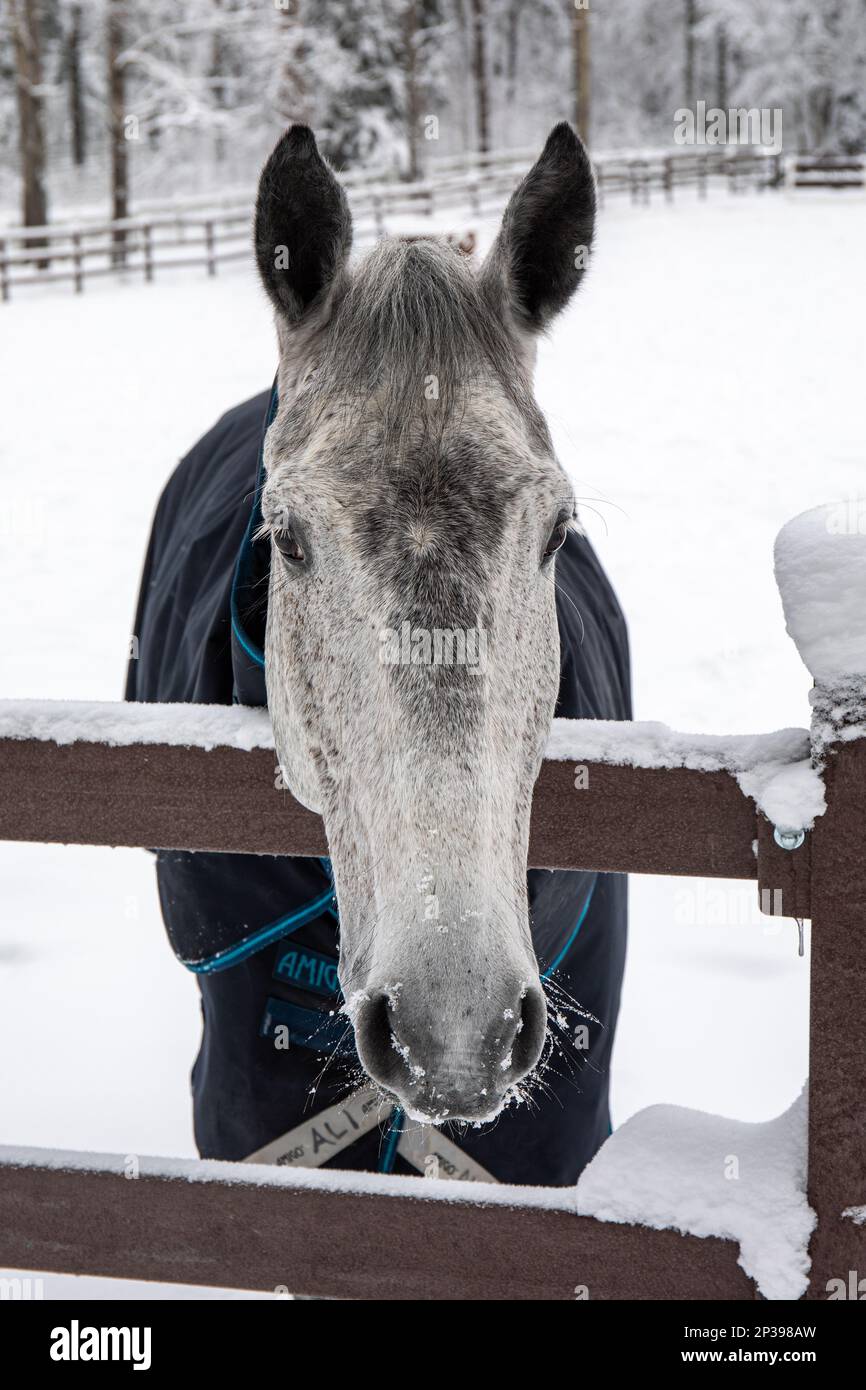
[{"x": 451, "y": 1063}]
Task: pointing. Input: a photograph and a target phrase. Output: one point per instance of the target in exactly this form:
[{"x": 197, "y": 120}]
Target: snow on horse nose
[{"x": 448, "y": 1068}]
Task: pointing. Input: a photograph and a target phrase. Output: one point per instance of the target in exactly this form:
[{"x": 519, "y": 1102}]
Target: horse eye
[
  {"x": 557, "y": 539},
  {"x": 288, "y": 547}
]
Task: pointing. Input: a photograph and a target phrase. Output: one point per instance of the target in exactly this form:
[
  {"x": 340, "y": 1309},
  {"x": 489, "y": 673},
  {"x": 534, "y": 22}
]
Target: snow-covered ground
[{"x": 703, "y": 389}]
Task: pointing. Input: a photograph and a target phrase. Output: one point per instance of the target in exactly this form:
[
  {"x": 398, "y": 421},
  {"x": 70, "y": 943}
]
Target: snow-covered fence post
[
  {"x": 701, "y": 170},
  {"x": 77, "y": 262},
  {"x": 377, "y": 213},
  {"x": 211, "y": 251},
  {"x": 821, "y": 571},
  {"x": 668, "y": 177},
  {"x": 634, "y": 188},
  {"x": 148, "y": 251}
]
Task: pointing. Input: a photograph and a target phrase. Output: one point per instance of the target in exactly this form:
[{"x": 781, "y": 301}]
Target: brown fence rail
[
  {"x": 642, "y": 820},
  {"x": 198, "y": 236},
  {"x": 341, "y": 1244},
  {"x": 211, "y": 1223}
]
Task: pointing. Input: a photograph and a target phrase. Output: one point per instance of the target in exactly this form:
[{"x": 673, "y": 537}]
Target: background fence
[{"x": 209, "y": 233}]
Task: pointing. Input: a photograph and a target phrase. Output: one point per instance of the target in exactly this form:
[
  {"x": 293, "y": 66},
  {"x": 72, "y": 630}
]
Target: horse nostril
[
  {"x": 531, "y": 1031},
  {"x": 374, "y": 1039}
]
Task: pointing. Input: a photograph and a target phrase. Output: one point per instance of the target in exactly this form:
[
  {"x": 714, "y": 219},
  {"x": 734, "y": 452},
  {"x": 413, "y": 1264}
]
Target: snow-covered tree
[
  {"x": 809, "y": 60},
  {"x": 25, "y": 31},
  {"x": 197, "y": 90}
]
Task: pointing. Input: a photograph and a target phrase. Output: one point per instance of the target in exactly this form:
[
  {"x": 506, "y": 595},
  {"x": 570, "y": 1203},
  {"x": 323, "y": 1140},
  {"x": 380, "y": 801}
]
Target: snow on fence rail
[
  {"x": 627, "y": 797},
  {"x": 207, "y": 236}
]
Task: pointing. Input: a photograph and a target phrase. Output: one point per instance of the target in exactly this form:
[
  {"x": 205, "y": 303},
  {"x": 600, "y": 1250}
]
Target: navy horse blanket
[{"x": 261, "y": 933}]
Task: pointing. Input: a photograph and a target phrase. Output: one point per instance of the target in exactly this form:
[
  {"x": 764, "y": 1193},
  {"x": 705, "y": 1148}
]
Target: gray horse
[
  {"x": 382, "y": 549},
  {"x": 412, "y": 487}
]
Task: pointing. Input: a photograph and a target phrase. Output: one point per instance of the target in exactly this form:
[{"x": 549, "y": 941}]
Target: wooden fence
[
  {"x": 348, "y": 1235},
  {"x": 207, "y": 236},
  {"x": 826, "y": 171}
]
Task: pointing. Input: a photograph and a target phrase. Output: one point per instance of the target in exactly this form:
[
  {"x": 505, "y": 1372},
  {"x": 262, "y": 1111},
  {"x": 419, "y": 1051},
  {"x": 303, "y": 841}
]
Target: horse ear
[
  {"x": 303, "y": 229},
  {"x": 543, "y": 246}
]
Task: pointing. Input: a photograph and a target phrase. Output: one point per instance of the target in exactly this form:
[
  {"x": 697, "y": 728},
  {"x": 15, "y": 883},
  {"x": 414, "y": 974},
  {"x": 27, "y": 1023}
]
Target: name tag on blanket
[
  {"x": 319, "y": 1139},
  {"x": 327, "y": 1134}
]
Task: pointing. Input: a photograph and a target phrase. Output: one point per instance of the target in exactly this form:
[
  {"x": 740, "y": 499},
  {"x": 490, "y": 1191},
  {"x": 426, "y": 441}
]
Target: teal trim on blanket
[
  {"x": 252, "y": 649},
  {"x": 272, "y": 932},
  {"x": 572, "y": 938}
]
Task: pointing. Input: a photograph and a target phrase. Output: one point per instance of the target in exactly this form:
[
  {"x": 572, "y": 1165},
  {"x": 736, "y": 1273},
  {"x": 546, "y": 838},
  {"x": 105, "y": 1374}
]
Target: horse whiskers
[
  {"x": 559, "y": 1026},
  {"x": 566, "y": 1048},
  {"x": 567, "y": 1003},
  {"x": 335, "y": 1055},
  {"x": 553, "y": 1047}
]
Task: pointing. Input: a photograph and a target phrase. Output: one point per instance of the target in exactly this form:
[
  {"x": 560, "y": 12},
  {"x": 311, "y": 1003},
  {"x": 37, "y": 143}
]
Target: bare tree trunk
[
  {"x": 413, "y": 95},
  {"x": 689, "y": 64},
  {"x": 77, "y": 117},
  {"x": 479, "y": 68},
  {"x": 582, "y": 80},
  {"x": 512, "y": 37},
  {"x": 722, "y": 68},
  {"x": 117, "y": 124},
  {"x": 218, "y": 83},
  {"x": 822, "y": 107},
  {"x": 465, "y": 103},
  {"x": 293, "y": 102},
  {"x": 26, "y": 36}
]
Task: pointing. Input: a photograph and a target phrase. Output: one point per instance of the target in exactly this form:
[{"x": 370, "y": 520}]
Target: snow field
[{"x": 701, "y": 391}]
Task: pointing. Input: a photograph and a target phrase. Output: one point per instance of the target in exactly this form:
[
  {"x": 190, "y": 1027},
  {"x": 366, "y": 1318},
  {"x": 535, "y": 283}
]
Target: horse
[{"x": 384, "y": 549}]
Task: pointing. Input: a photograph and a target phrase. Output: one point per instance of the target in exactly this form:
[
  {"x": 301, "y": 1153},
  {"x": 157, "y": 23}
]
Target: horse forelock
[{"x": 412, "y": 341}]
